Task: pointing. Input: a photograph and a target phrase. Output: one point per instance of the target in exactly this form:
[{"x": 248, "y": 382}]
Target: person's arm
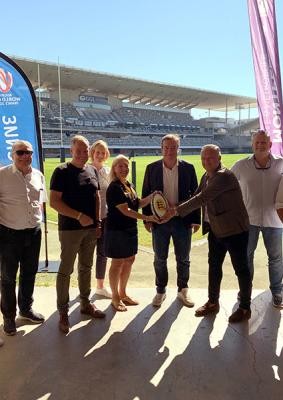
[
  {"x": 221, "y": 182},
  {"x": 43, "y": 198},
  {"x": 97, "y": 200},
  {"x": 62, "y": 208},
  {"x": 145, "y": 201},
  {"x": 98, "y": 214},
  {"x": 279, "y": 200},
  {"x": 236, "y": 170},
  {"x": 128, "y": 212}
]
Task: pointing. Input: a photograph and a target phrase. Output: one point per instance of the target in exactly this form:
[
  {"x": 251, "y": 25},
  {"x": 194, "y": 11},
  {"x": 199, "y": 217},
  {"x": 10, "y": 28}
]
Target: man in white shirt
[
  {"x": 178, "y": 182},
  {"x": 259, "y": 176},
  {"x": 22, "y": 192}
]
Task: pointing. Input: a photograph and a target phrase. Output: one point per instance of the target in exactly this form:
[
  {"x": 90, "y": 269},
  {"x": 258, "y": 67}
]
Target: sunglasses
[{"x": 24, "y": 152}]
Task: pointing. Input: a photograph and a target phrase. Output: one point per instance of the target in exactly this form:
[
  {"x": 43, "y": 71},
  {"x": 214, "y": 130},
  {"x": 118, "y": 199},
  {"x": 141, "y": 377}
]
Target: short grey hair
[
  {"x": 211, "y": 147},
  {"x": 260, "y": 132},
  {"x": 19, "y": 143}
]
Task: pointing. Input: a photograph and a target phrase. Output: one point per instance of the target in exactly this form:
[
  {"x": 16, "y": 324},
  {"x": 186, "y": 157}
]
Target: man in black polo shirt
[{"x": 74, "y": 195}]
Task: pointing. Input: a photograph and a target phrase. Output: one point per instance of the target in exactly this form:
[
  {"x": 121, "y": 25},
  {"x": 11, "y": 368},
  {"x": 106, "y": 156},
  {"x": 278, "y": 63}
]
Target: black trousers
[
  {"x": 236, "y": 245},
  {"x": 18, "y": 248}
]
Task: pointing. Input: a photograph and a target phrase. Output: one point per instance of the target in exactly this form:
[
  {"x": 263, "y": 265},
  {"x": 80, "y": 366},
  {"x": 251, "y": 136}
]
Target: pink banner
[{"x": 267, "y": 69}]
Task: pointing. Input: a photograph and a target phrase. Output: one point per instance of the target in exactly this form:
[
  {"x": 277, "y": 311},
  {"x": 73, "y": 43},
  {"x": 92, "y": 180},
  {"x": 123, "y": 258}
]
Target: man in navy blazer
[{"x": 177, "y": 180}]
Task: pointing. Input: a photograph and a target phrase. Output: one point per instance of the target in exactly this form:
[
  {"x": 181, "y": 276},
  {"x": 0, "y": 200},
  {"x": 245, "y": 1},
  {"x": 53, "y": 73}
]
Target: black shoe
[
  {"x": 32, "y": 316},
  {"x": 277, "y": 301},
  {"x": 9, "y": 327}
]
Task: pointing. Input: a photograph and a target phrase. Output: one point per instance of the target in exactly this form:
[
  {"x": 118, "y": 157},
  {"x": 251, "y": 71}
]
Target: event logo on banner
[
  {"x": 6, "y": 81},
  {"x": 267, "y": 69},
  {"x": 18, "y": 112}
]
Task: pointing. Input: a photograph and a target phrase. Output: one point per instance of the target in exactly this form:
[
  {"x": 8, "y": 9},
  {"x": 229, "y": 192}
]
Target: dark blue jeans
[
  {"x": 18, "y": 248},
  {"x": 237, "y": 246},
  {"x": 181, "y": 236}
]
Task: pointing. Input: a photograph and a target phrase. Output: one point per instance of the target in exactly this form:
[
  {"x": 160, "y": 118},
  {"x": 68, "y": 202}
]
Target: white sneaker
[
  {"x": 184, "y": 296},
  {"x": 158, "y": 299},
  {"x": 103, "y": 292}
]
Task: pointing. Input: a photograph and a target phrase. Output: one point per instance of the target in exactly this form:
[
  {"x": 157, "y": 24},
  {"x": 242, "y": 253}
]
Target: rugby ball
[{"x": 159, "y": 205}]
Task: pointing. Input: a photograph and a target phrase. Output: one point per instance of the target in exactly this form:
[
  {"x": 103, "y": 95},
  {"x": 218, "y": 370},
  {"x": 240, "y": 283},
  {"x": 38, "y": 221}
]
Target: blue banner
[{"x": 18, "y": 112}]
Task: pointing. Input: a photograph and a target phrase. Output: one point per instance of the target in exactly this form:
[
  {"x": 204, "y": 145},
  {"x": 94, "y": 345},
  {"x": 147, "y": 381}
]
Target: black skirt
[{"x": 121, "y": 243}]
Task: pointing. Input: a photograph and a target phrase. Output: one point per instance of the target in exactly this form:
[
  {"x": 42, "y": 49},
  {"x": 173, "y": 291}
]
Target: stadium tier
[
  {"x": 132, "y": 114},
  {"x": 127, "y": 129}
]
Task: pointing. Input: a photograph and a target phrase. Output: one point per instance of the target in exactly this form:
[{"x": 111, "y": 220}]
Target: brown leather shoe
[
  {"x": 91, "y": 310},
  {"x": 64, "y": 325},
  {"x": 240, "y": 315},
  {"x": 207, "y": 308}
]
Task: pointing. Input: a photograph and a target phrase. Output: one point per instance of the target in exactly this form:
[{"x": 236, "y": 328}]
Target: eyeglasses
[{"x": 24, "y": 152}]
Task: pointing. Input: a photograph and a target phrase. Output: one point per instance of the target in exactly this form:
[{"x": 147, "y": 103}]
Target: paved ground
[{"x": 146, "y": 353}]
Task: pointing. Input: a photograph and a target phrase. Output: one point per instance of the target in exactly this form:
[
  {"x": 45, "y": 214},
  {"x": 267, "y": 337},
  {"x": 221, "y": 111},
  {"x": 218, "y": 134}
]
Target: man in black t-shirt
[{"x": 74, "y": 195}]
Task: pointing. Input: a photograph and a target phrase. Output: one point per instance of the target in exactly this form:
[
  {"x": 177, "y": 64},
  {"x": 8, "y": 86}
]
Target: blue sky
[{"x": 197, "y": 43}]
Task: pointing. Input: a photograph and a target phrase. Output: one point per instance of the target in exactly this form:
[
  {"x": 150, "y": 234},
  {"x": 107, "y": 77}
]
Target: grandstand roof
[{"x": 130, "y": 89}]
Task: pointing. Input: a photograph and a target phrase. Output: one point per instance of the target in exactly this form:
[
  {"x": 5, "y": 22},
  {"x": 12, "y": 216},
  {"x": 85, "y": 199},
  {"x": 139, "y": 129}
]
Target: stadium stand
[
  {"x": 127, "y": 128},
  {"x": 131, "y": 114}
]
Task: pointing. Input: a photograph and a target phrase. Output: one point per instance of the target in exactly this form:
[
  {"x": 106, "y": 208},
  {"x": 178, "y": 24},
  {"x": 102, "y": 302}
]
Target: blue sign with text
[{"x": 18, "y": 112}]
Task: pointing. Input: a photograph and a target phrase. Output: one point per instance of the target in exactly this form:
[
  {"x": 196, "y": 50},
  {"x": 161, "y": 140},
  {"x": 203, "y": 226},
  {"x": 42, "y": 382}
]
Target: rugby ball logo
[
  {"x": 159, "y": 205},
  {"x": 6, "y": 81}
]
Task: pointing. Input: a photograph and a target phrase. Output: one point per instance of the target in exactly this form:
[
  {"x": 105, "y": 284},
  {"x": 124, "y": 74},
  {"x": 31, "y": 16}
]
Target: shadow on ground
[{"x": 146, "y": 353}]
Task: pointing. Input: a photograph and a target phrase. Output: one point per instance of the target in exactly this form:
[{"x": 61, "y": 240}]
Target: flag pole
[
  {"x": 44, "y": 204},
  {"x": 62, "y": 150}
]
